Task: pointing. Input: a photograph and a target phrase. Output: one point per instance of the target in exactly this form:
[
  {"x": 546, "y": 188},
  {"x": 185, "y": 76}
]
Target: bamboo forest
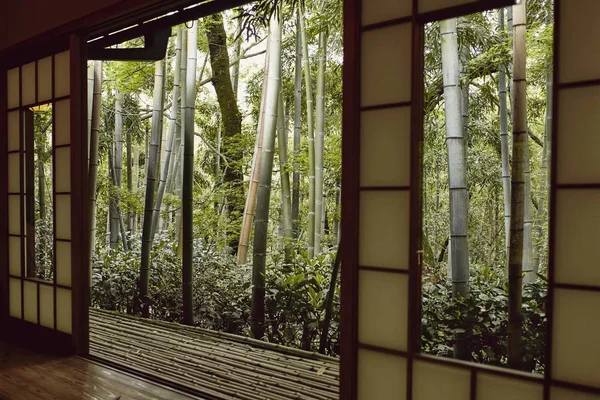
[{"x": 215, "y": 179}]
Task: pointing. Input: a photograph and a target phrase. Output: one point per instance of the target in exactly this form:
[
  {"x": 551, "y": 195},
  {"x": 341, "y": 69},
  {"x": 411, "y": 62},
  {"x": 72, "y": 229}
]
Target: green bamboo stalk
[
  {"x": 311, "y": 136},
  {"x": 187, "y": 195},
  {"x": 157, "y": 107},
  {"x": 261, "y": 223}
]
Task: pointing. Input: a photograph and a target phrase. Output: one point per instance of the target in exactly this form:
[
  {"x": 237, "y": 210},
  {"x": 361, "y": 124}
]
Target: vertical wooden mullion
[
  {"x": 552, "y": 205},
  {"x": 415, "y": 218},
  {"x": 29, "y": 191},
  {"x": 350, "y": 200},
  {"x": 473, "y": 394},
  {"x": 36, "y": 101},
  {"x": 80, "y": 276},
  {"x": 37, "y": 284},
  {"x": 54, "y": 281},
  {"x": 36, "y": 82},
  {"x": 22, "y": 194},
  {"x": 4, "y": 266}
]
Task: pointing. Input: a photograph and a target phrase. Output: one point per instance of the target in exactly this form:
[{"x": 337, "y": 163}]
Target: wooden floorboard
[{"x": 26, "y": 375}]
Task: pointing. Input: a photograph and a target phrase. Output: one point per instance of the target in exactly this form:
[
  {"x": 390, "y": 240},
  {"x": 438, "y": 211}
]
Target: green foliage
[
  {"x": 295, "y": 296},
  {"x": 295, "y": 302},
  {"x": 484, "y": 315},
  {"x": 43, "y": 248}
]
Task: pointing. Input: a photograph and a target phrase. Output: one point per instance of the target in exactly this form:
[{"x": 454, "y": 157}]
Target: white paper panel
[
  {"x": 30, "y": 301},
  {"x": 374, "y": 11},
  {"x": 385, "y": 147},
  {"x": 45, "y": 79},
  {"x": 62, "y": 122},
  {"x": 558, "y": 393},
  {"x": 578, "y": 34},
  {"x": 13, "y": 130},
  {"x": 47, "y": 306},
  {"x": 381, "y": 376},
  {"x": 575, "y": 344},
  {"x": 61, "y": 74},
  {"x": 435, "y": 381},
  {"x": 434, "y": 5},
  {"x": 386, "y": 65},
  {"x": 14, "y": 173},
  {"x": 63, "y": 263},
  {"x": 577, "y": 231},
  {"x": 28, "y": 84},
  {"x": 12, "y": 88},
  {"x": 494, "y": 387},
  {"x": 62, "y": 162},
  {"x": 14, "y": 214},
  {"x": 14, "y": 292},
  {"x": 14, "y": 255},
  {"x": 63, "y": 310},
  {"x": 383, "y": 224},
  {"x": 578, "y": 111},
  {"x": 63, "y": 216},
  {"x": 383, "y": 309}
]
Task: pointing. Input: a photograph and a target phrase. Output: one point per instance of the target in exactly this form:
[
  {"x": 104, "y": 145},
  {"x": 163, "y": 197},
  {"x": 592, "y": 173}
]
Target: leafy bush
[
  {"x": 294, "y": 300},
  {"x": 484, "y": 316}
]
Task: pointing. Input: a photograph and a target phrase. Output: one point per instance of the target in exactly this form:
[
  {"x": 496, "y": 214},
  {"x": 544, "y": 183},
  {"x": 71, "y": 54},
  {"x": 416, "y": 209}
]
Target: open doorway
[{"x": 215, "y": 175}]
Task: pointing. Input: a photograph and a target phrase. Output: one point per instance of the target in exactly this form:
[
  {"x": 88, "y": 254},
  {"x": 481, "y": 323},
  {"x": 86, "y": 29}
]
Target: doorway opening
[{"x": 216, "y": 180}]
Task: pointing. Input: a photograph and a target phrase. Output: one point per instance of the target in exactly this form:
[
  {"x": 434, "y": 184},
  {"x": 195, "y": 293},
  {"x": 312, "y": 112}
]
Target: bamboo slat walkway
[{"x": 216, "y": 364}]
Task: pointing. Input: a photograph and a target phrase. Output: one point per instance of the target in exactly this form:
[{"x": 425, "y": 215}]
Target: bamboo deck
[{"x": 216, "y": 364}]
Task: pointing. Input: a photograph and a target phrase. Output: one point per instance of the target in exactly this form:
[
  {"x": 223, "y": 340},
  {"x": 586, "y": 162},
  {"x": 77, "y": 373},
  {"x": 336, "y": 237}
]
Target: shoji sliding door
[
  {"x": 43, "y": 145},
  {"x": 381, "y": 212}
]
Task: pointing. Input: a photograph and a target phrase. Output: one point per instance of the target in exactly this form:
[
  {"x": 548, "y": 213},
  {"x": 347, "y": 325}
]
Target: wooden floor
[{"x": 27, "y": 375}]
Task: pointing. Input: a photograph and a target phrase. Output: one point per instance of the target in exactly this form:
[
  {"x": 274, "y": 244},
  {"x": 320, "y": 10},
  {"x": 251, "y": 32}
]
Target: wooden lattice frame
[{"x": 381, "y": 351}]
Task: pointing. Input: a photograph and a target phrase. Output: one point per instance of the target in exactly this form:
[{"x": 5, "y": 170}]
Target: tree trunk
[
  {"x": 249, "y": 208},
  {"x": 233, "y": 177},
  {"x": 130, "y": 217},
  {"x": 116, "y": 212},
  {"x": 459, "y": 252},
  {"x": 235, "y": 69},
  {"x": 261, "y": 224},
  {"x": 528, "y": 274},
  {"x": 170, "y": 138},
  {"x": 297, "y": 130},
  {"x": 94, "y": 139},
  {"x": 311, "y": 137},
  {"x": 319, "y": 140},
  {"x": 544, "y": 182},
  {"x": 456, "y": 159},
  {"x": 329, "y": 302},
  {"x": 464, "y": 107},
  {"x": 118, "y": 178},
  {"x": 42, "y": 185},
  {"x": 187, "y": 193},
  {"x": 217, "y": 157},
  {"x": 151, "y": 184},
  {"x": 336, "y": 220},
  {"x": 286, "y": 205},
  {"x": 90, "y": 105},
  {"x": 515, "y": 258},
  {"x": 136, "y": 183},
  {"x": 182, "y": 111},
  {"x": 504, "y": 143},
  {"x": 119, "y": 139}
]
